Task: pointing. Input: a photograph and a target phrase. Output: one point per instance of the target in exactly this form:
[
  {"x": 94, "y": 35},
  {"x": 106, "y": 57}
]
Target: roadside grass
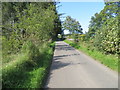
[
  {"x": 29, "y": 67},
  {"x": 110, "y": 61}
]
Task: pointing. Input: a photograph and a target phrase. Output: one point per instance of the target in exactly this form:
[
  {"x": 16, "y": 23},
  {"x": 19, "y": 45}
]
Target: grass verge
[
  {"x": 29, "y": 68},
  {"x": 108, "y": 60}
]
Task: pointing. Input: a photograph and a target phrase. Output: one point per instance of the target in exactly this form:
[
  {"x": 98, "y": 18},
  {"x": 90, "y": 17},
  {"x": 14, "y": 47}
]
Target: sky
[{"x": 81, "y": 11}]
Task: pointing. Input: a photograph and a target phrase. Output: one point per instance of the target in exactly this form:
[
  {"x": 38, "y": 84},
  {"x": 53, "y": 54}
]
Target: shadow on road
[
  {"x": 55, "y": 65},
  {"x": 58, "y": 64},
  {"x": 57, "y": 60},
  {"x": 63, "y": 47},
  {"x": 63, "y": 56}
]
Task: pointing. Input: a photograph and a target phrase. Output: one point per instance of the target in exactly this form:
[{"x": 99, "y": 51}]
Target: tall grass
[
  {"x": 110, "y": 61},
  {"x": 29, "y": 67}
]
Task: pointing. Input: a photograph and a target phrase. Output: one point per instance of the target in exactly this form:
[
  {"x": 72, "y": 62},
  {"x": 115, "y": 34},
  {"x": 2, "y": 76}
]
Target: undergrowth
[{"x": 29, "y": 67}]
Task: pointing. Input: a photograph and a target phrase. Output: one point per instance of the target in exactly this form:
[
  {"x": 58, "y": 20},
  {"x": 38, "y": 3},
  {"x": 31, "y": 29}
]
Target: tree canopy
[
  {"x": 23, "y": 21},
  {"x": 103, "y": 28},
  {"x": 72, "y": 25}
]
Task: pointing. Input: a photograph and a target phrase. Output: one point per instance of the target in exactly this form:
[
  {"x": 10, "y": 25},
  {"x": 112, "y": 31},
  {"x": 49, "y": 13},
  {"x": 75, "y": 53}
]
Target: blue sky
[{"x": 81, "y": 11}]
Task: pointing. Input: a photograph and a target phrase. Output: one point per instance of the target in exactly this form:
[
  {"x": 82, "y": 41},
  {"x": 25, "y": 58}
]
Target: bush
[{"x": 106, "y": 39}]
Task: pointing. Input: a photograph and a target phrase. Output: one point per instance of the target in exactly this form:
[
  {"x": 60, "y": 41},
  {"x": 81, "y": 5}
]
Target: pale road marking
[{"x": 73, "y": 69}]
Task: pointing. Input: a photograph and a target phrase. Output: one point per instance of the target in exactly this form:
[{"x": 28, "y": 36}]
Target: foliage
[
  {"x": 109, "y": 40},
  {"x": 27, "y": 64},
  {"x": 28, "y": 21},
  {"x": 28, "y": 28},
  {"x": 102, "y": 41},
  {"x": 73, "y": 26},
  {"x": 103, "y": 29}
]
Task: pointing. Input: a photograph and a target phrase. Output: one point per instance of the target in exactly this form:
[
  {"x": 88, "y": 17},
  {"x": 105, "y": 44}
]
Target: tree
[
  {"x": 34, "y": 21},
  {"x": 73, "y": 26},
  {"x": 103, "y": 28}
]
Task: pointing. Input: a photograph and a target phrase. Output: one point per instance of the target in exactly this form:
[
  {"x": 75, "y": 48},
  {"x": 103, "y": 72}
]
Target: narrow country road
[{"x": 73, "y": 69}]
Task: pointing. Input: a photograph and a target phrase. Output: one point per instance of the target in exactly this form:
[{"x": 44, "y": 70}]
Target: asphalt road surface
[{"x": 73, "y": 69}]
